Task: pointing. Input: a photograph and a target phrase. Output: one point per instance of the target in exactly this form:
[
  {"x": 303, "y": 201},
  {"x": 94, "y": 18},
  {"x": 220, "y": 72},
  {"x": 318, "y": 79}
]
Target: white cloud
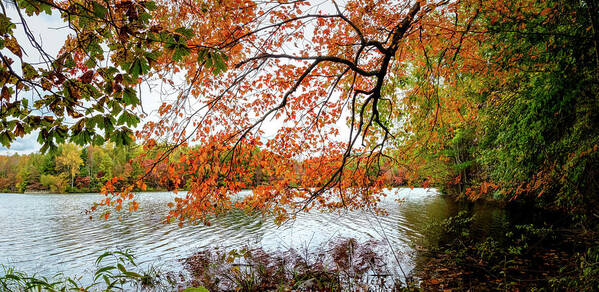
[{"x": 27, "y": 144}]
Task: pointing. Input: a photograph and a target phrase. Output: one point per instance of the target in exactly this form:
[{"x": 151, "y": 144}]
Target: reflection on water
[{"x": 50, "y": 233}]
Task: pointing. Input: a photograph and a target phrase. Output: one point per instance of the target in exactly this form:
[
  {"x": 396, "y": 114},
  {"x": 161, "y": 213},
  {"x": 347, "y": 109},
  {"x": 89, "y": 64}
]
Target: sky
[{"x": 27, "y": 144}]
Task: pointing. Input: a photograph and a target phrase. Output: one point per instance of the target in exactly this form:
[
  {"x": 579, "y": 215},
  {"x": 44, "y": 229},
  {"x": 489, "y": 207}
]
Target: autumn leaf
[
  {"x": 12, "y": 45},
  {"x": 5, "y": 93}
]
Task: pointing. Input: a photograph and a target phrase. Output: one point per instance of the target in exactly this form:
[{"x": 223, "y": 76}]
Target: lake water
[{"x": 50, "y": 233}]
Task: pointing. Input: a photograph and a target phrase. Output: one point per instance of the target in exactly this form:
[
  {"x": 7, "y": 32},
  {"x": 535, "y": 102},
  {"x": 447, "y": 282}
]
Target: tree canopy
[{"x": 465, "y": 92}]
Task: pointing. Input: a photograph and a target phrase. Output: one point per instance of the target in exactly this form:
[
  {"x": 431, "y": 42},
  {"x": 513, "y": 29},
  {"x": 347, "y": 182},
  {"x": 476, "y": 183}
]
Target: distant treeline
[
  {"x": 73, "y": 169},
  {"x": 68, "y": 169}
]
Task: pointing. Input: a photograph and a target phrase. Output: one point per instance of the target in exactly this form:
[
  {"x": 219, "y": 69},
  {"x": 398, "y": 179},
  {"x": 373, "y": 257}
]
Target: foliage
[
  {"x": 8, "y": 173},
  {"x": 85, "y": 169},
  {"x": 582, "y": 275},
  {"x": 90, "y": 168},
  {"x": 55, "y": 183},
  {"x": 524, "y": 128},
  {"x": 541, "y": 134},
  {"x": 345, "y": 264},
  {"x": 69, "y": 160},
  {"x": 115, "y": 271},
  {"x": 116, "y": 45},
  {"x": 514, "y": 256},
  {"x": 486, "y": 99},
  {"x": 84, "y": 85}
]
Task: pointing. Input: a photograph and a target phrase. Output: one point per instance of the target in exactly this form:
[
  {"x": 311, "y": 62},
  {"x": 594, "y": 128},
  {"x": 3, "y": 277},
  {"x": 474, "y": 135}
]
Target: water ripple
[{"x": 51, "y": 234}]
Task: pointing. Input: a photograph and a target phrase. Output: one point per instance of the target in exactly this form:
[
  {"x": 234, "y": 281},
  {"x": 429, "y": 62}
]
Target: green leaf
[
  {"x": 121, "y": 268},
  {"x": 135, "y": 69},
  {"x": 128, "y": 118},
  {"x": 82, "y": 137},
  {"x": 196, "y": 289},
  {"x": 139, "y": 67},
  {"x": 219, "y": 64},
  {"x": 109, "y": 123},
  {"x": 150, "y": 5},
  {"x": 29, "y": 71},
  {"x": 96, "y": 120},
  {"x": 132, "y": 275},
  {"x": 5, "y": 138},
  {"x": 152, "y": 57},
  {"x": 103, "y": 270},
  {"x": 69, "y": 62},
  {"x": 6, "y": 25},
  {"x": 84, "y": 21},
  {"x": 116, "y": 107},
  {"x": 99, "y": 10},
  {"x": 130, "y": 97},
  {"x": 91, "y": 63},
  {"x": 98, "y": 140},
  {"x": 186, "y": 32},
  {"x": 46, "y": 8},
  {"x": 145, "y": 17},
  {"x": 180, "y": 52},
  {"x": 106, "y": 280}
]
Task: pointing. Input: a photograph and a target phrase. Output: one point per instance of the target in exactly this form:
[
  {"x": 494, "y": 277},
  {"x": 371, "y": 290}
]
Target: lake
[{"x": 50, "y": 233}]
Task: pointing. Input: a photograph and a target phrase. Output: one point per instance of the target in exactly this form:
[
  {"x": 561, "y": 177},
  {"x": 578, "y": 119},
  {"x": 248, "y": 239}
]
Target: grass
[{"x": 115, "y": 271}]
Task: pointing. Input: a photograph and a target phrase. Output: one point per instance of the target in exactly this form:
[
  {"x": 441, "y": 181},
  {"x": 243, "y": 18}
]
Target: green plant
[
  {"x": 115, "y": 271},
  {"x": 582, "y": 275}
]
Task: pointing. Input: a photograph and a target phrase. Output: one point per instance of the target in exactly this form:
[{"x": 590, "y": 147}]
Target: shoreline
[{"x": 42, "y": 192}]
